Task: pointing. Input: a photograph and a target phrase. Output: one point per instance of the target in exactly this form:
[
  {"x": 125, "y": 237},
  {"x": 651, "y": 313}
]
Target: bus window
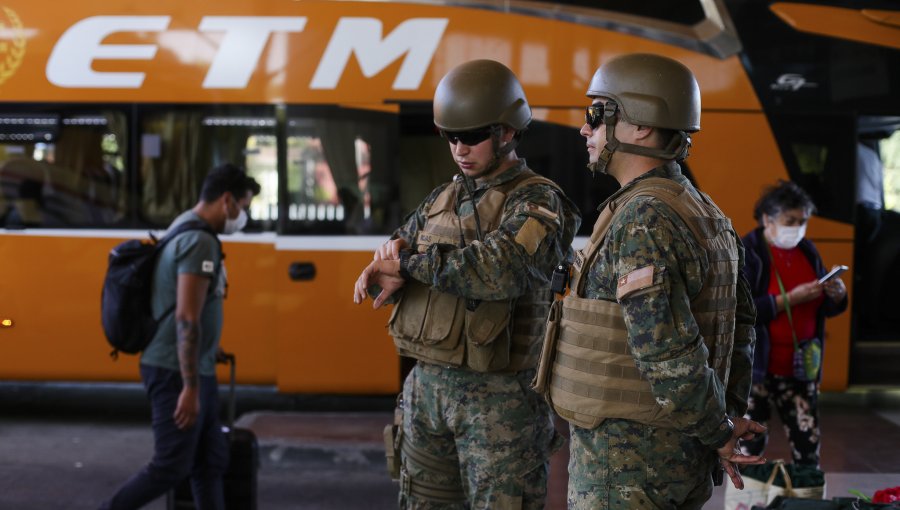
[
  {"x": 340, "y": 172},
  {"x": 820, "y": 154},
  {"x": 62, "y": 169},
  {"x": 262, "y": 164},
  {"x": 179, "y": 146},
  {"x": 890, "y": 157}
]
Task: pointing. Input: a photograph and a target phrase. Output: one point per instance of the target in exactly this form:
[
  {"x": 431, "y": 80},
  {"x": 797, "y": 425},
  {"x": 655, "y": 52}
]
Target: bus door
[
  {"x": 876, "y": 347},
  {"x": 340, "y": 182},
  {"x": 846, "y": 163}
]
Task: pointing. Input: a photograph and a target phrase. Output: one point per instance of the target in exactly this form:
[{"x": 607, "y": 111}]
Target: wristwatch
[
  {"x": 728, "y": 425},
  {"x": 404, "y": 264}
]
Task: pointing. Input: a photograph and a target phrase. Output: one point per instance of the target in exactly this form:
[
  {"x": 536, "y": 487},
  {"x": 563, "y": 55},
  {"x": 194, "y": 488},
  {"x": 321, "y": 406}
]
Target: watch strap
[{"x": 404, "y": 264}]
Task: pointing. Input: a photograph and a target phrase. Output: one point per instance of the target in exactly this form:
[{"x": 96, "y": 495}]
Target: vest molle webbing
[
  {"x": 436, "y": 327},
  {"x": 587, "y": 370}
]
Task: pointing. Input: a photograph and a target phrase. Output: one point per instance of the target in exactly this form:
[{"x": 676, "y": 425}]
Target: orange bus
[{"x": 112, "y": 112}]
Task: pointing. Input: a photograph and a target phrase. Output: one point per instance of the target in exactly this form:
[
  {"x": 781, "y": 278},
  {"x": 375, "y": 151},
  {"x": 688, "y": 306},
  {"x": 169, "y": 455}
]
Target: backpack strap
[
  {"x": 181, "y": 228},
  {"x": 185, "y": 227}
]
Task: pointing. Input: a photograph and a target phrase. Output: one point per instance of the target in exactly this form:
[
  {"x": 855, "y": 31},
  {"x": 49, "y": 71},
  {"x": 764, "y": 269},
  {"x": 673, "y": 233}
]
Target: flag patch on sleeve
[{"x": 639, "y": 279}]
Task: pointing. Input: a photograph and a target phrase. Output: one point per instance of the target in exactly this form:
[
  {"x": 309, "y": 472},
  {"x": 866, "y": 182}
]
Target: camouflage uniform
[
  {"x": 494, "y": 431},
  {"x": 627, "y": 464}
]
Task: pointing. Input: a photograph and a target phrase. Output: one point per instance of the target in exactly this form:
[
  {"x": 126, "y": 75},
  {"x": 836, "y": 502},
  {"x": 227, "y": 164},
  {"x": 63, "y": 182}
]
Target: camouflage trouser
[
  {"x": 474, "y": 440},
  {"x": 627, "y": 465},
  {"x": 797, "y": 405}
]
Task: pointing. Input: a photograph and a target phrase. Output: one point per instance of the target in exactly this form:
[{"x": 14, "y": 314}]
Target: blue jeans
[{"x": 200, "y": 452}]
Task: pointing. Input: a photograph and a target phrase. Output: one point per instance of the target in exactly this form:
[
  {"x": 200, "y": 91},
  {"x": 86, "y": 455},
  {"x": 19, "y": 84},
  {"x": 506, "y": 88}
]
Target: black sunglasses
[
  {"x": 470, "y": 138},
  {"x": 593, "y": 114}
]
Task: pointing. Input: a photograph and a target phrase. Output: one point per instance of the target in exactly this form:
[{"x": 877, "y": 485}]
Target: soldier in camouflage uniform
[
  {"x": 649, "y": 355},
  {"x": 473, "y": 262}
]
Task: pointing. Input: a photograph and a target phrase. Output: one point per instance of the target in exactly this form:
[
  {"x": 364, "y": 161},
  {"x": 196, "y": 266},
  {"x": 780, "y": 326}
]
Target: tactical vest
[
  {"x": 437, "y": 327},
  {"x": 587, "y": 371}
]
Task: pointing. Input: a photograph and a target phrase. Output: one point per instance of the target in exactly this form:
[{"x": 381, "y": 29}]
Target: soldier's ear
[
  {"x": 506, "y": 134},
  {"x": 643, "y": 132}
]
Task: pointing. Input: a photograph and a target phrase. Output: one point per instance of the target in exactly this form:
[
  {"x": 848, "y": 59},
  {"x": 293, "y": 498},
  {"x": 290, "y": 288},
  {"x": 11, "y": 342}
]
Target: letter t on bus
[{"x": 245, "y": 39}]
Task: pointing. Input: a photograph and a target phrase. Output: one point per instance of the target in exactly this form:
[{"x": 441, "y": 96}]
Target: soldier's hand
[
  {"x": 730, "y": 455},
  {"x": 390, "y": 250},
  {"x": 385, "y": 274}
]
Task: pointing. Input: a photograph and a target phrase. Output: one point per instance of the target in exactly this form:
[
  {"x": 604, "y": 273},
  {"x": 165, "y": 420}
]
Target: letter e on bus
[{"x": 69, "y": 64}]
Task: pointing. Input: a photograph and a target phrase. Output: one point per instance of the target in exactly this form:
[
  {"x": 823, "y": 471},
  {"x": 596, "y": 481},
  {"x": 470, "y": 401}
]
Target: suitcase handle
[{"x": 227, "y": 357}]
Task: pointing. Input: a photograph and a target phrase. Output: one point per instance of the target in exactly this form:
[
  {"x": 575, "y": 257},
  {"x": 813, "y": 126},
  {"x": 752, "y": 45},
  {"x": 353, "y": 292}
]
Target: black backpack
[{"x": 125, "y": 303}]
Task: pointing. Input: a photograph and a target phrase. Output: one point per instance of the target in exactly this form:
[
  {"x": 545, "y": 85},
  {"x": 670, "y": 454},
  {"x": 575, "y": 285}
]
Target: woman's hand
[
  {"x": 805, "y": 292},
  {"x": 835, "y": 289}
]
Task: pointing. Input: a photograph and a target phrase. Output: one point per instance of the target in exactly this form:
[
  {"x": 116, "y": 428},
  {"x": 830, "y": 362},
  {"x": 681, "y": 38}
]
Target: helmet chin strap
[
  {"x": 499, "y": 152},
  {"x": 677, "y": 148},
  {"x": 612, "y": 143}
]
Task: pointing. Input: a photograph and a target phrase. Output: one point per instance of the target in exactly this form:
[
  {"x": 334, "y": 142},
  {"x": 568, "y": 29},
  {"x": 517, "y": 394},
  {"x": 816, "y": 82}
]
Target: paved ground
[
  {"x": 334, "y": 461},
  {"x": 74, "y": 465}
]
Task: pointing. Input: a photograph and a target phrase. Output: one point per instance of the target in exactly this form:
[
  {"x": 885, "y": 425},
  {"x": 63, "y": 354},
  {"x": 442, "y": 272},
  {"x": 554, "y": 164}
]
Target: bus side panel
[
  {"x": 733, "y": 158},
  {"x": 327, "y": 344},
  {"x": 554, "y": 59},
  {"x": 834, "y": 240},
  {"x": 249, "y": 330},
  {"x": 50, "y": 287}
]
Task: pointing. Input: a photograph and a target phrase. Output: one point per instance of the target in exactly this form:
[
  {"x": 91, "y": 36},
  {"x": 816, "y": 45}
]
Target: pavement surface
[
  {"x": 75, "y": 464},
  {"x": 335, "y": 460}
]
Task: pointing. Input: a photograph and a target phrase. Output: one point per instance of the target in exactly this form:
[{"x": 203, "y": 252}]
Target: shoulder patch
[
  {"x": 530, "y": 235},
  {"x": 207, "y": 266},
  {"x": 541, "y": 211},
  {"x": 640, "y": 278}
]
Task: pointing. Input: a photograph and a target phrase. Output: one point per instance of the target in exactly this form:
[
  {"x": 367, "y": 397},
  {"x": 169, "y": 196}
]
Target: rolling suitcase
[{"x": 240, "y": 479}]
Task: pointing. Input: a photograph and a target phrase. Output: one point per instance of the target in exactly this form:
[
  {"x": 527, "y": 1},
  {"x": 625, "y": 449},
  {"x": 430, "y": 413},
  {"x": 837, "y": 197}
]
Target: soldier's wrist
[
  {"x": 404, "y": 264},
  {"x": 724, "y": 432}
]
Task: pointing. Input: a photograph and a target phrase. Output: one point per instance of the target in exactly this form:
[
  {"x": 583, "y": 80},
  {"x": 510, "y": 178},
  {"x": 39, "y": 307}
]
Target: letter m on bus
[{"x": 417, "y": 38}]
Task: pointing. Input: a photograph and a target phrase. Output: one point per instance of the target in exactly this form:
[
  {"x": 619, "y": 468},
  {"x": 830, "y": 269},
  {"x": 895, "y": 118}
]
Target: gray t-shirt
[{"x": 191, "y": 252}]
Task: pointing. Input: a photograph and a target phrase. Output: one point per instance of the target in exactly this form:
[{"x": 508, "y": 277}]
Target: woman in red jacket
[{"x": 783, "y": 268}]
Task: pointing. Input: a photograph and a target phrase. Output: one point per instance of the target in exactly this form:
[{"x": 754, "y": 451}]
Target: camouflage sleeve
[
  {"x": 740, "y": 377},
  {"x": 536, "y": 231},
  {"x": 659, "y": 268}
]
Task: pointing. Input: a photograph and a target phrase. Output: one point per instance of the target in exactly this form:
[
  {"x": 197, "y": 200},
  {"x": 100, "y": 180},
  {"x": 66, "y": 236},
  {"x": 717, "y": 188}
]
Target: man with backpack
[{"x": 178, "y": 366}]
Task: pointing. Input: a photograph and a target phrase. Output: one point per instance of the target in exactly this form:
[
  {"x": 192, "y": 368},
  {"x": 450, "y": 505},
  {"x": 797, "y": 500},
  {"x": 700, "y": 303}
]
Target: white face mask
[
  {"x": 788, "y": 237},
  {"x": 235, "y": 225}
]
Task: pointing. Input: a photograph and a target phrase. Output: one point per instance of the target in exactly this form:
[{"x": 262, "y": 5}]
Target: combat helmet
[
  {"x": 478, "y": 94},
  {"x": 648, "y": 90},
  {"x": 482, "y": 94}
]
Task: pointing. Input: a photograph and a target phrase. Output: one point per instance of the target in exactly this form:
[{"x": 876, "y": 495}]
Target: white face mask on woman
[{"x": 788, "y": 237}]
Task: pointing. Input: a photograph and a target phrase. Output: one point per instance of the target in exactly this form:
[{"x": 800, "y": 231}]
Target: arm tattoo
[{"x": 188, "y": 333}]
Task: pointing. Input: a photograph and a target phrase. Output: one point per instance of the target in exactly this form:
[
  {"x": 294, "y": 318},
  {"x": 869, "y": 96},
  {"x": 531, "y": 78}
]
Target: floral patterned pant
[{"x": 797, "y": 405}]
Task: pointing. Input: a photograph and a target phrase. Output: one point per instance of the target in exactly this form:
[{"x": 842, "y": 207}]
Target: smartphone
[{"x": 833, "y": 273}]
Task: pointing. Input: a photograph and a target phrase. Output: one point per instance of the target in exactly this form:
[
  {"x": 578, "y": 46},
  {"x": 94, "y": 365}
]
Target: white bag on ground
[{"x": 761, "y": 492}]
